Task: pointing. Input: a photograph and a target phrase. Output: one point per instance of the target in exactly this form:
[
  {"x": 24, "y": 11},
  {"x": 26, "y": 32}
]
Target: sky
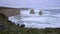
[{"x": 31, "y": 3}]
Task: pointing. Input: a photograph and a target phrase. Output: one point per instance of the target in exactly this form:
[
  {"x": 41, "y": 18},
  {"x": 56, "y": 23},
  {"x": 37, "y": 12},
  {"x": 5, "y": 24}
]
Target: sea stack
[
  {"x": 40, "y": 12},
  {"x": 32, "y": 11}
]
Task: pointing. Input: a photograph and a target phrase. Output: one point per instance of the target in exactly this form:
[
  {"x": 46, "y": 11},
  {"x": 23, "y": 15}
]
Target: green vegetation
[{"x": 13, "y": 29}]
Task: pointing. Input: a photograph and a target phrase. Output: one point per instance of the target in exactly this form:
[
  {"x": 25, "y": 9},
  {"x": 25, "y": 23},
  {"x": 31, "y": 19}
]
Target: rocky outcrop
[
  {"x": 40, "y": 12},
  {"x": 9, "y": 11},
  {"x": 32, "y": 11}
]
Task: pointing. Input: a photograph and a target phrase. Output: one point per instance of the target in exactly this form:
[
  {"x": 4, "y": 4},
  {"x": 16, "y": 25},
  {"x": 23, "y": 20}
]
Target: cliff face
[{"x": 9, "y": 11}]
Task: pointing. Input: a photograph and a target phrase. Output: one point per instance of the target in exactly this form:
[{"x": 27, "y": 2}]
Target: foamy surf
[{"x": 47, "y": 20}]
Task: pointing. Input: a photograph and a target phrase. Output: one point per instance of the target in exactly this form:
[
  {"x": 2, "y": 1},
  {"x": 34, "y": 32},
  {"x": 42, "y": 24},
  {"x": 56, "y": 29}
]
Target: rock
[
  {"x": 22, "y": 26},
  {"x": 11, "y": 23},
  {"x": 17, "y": 24},
  {"x": 40, "y": 12},
  {"x": 32, "y": 11}
]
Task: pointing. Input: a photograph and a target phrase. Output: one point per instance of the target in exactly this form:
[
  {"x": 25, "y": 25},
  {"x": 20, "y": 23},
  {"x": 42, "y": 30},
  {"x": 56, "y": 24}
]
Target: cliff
[{"x": 9, "y": 11}]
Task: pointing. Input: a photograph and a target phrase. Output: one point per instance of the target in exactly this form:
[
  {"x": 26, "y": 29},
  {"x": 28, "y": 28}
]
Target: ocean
[{"x": 50, "y": 18}]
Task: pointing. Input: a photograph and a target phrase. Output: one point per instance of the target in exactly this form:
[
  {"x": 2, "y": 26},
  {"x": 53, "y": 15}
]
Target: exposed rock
[
  {"x": 40, "y": 12},
  {"x": 11, "y": 23},
  {"x": 9, "y": 11},
  {"x": 22, "y": 26},
  {"x": 32, "y": 11},
  {"x": 17, "y": 24}
]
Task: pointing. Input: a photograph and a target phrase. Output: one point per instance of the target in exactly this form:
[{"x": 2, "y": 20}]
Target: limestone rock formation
[
  {"x": 40, "y": 12},
  {"x": 32, "y": 11}
]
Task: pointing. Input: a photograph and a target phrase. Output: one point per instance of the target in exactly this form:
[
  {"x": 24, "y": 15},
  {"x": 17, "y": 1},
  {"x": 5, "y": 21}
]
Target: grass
[{"x": 13, "y": 29}]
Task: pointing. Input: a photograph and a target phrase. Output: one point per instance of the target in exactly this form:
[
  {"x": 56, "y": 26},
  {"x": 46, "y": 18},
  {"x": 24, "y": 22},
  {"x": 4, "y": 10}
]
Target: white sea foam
[{"x": 37, "y": 21}]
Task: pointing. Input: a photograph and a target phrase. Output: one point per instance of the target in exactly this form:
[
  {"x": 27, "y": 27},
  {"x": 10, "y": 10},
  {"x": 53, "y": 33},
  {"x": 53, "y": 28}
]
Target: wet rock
[
  {"x": 17, "y": 24},
  {"x": 11, "y": 23},
  {"x": 32, "y": 11},
  {"x": 22, "y": 26},
  {"x": 40, "y": 12}
]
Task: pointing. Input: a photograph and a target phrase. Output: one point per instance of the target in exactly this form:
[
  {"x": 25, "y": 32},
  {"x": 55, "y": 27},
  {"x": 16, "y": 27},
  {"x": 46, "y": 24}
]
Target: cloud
[{"x": 30, "y": 3}]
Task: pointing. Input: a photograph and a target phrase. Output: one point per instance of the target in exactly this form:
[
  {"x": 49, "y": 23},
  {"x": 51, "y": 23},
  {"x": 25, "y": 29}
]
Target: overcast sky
[{"x": 30, "y": 3}]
